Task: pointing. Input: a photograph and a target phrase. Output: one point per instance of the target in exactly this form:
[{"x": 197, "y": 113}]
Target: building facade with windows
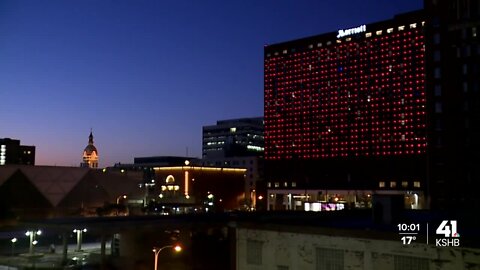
[
  {"x": 237, "y": 143},
  {"x": 12, "y": 152},
  {"x": 232, "y": 138},
  {"x": 453, "y": 82},
  {"x": 345, "y": 115}
]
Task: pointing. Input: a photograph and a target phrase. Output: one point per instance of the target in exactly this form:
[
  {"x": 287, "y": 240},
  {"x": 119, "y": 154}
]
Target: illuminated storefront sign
[
  {"x": 351, "y": 31},
  {"x": 318, "y": 206}
]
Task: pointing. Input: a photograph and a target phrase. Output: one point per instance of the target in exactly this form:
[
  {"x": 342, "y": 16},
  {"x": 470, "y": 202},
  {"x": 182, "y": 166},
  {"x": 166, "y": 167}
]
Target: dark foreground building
[
  {"x": 11, "y": 152},
  {"x": 345, "y": 115},
  {"x": 453, "y": 82}
]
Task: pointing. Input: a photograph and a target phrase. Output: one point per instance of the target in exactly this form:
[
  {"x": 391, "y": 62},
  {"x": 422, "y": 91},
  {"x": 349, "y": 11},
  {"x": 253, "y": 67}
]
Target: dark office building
[
  {"x": 453, "y": 79},
  {"x": 11, "y": 152},
  {"x": 233, "y": 138},
  {"x": 346, "y": 111}
]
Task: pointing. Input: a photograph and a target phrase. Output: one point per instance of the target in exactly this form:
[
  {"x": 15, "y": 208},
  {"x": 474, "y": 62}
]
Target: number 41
[{"x": 448, "y": 231}]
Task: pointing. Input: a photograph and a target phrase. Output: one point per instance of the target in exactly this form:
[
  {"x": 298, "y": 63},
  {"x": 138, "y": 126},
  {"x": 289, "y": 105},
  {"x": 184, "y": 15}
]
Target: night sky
[{"x": 146, "y": 75}]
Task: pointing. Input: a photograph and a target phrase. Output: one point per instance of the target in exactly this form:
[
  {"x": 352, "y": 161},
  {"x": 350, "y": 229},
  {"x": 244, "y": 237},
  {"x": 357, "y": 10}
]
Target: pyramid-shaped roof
[{"x": 53, "y": 182}]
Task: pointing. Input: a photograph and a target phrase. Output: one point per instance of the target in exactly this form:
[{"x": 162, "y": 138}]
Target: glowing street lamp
[
  {"x": 120, "y": 197},
  {"x": 79, "y": 238},
  {"x": 33, "y": 242},
  {"x": 156, "y": 251}
]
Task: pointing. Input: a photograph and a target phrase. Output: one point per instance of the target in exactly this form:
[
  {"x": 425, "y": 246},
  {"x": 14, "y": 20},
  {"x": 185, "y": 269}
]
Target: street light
[
  {"x": 120, "y": 197},
  {"x": 13, "y": 240},
  {"x": 176, "y": 248},
  {"x": 33, "y": 242},
  {"x": 79, "y": 238}
]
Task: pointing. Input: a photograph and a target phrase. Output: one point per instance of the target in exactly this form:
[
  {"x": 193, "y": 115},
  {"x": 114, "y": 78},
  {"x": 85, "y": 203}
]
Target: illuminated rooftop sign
[{"x": 351, "y": 31}]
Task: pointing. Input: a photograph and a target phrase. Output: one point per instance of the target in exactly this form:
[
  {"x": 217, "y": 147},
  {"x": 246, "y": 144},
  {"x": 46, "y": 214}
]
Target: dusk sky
[{"x": 146, "y": 75}]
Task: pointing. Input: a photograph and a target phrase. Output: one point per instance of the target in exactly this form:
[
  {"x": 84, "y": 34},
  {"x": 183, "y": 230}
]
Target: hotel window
[
  {"x": 254, "y": 252},
  {"x": 436, "y": 73},
  {"x": 436, "y": 56},
  {"x": 285, "y": 184},
  {"x": 393, "y": 184},
  {"x": 381, "y": 184},
  {"x": 436, "y": 38},
  {"x": 331, "y": 259},
  {"x": 294, "y": 184},
  {"x": 407, "y": 262},
  {"x": 404, "y": 184},
  {"x": 416, "y": 184},
  {"x": 438, "y": 107},
  {"x": 474, "y": 31},
  {"x": 277, "y": 184}
]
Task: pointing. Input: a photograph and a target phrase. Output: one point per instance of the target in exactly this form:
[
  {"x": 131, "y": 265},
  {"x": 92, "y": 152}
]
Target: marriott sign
[{"x": 351, "y": 31}]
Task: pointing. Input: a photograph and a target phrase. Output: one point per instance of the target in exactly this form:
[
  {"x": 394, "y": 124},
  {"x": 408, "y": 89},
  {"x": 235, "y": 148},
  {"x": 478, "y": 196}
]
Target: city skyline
[{"x": 146, "y": 76}]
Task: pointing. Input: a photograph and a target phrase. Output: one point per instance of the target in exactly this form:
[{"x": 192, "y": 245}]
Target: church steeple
[
  {"x": 90, "y": 138},
  {"x": 90, "y": 154}
]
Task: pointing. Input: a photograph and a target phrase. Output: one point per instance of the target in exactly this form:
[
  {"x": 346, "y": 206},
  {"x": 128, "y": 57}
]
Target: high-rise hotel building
[{"x": 345, "y": 116}]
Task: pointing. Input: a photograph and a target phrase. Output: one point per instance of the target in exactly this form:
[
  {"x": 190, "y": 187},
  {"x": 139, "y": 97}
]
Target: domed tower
[{"x": 90, "y": 154}]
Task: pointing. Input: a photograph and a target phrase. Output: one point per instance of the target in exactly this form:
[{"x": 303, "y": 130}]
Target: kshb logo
[{"x": 448, "y": 228}]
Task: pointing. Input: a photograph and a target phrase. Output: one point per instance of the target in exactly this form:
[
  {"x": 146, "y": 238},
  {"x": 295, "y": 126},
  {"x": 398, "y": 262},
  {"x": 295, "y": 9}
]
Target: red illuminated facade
[
  {"x": 348, "y": 112},
  {"x": 361, "y": 95}
]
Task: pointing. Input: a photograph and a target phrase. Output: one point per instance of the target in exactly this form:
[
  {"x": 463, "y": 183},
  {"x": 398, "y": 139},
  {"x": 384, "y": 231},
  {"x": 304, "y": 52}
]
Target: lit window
[
  {"x": 269, "y": 184},
  {"x": 285, "y": 51},
  {"x": 381, "y": 184},
  {"x": 393, "y": 184},
  {"x": 285, "y": 184},
  {"x": 277, "y": 184},
  {"x": 233, "y": 129},
  {"x": 389, "y": 30},
  {"x": 404, "y": 184},
  {"x": 379, "y": 32},
  {"x": 294, "y": 184},
  {"x": 416, "y": 184},
  {"x": 368, "y": 34},
  {"x": 413, "y": 25},
  {"x": 401, "y": 28},
  {"x": 474, "y": 31}
]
